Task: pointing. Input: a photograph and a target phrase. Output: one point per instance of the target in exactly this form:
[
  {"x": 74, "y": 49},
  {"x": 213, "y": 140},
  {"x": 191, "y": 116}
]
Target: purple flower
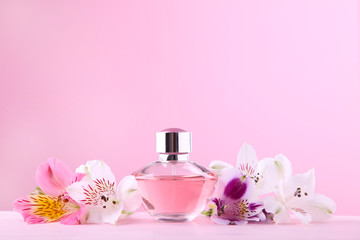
[{"x": 235, "y": 200}]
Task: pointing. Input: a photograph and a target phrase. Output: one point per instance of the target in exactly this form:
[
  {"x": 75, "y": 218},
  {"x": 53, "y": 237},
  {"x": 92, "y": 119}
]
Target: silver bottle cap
[{"x": 173, "y": 140}]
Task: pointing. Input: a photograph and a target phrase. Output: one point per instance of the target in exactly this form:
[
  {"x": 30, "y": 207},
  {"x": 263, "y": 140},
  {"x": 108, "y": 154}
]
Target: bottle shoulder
[{"x": 174, "y": 168}]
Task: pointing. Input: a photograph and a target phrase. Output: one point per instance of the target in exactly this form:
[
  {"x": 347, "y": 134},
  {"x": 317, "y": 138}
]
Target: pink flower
[
  {"x": 51, "y": 203},
  {"x": 54, "y": 176},
  {"x": 41, "y": 208},
  {"x": 235, "y": 201}
]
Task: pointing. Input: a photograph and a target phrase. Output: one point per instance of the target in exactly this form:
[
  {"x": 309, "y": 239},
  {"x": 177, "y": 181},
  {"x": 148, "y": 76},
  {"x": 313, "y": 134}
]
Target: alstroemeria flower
[
  {"x": 50, "y": 203},
  {"x": 235, "y": 200},
  {"x": 293, "y": 193},
  {"x": 41, "y": 208},
  {"x": 249, "y": 166},
  {"x": 53, "y": 176},
  {"x": 296, "y": 194},
  {"x": 274, "y": 176},
  {"x": 246, "y": 162},
  {"x": 103, "y": 200}
]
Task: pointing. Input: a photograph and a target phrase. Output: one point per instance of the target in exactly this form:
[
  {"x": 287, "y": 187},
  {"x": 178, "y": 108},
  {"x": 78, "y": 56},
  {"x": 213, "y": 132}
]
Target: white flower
[
  {"x": 249, "y": 166},
  {"x": 103, "y": 200},
  {"x": 296, "y": 194},
  {"x": 274, "y": 176},
  {"x": 246, "y": 162}
]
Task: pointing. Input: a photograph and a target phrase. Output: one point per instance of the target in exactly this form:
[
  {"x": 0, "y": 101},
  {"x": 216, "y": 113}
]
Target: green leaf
[{"x": 37, "y": 191}]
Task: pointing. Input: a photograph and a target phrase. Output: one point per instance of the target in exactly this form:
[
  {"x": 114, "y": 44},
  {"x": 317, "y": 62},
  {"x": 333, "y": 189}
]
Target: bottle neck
[{"x": 164, "y": 157}]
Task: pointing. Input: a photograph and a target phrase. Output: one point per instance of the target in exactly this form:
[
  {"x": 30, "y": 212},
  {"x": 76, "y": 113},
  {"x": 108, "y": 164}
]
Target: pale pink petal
[
  {"x": 78, "y": 177},
  {"x": 53, "y": 177},
  {"x": 77, "y": 191},
  {"x": 73, "y": 218},
  {"x": 23, "y": 206}
]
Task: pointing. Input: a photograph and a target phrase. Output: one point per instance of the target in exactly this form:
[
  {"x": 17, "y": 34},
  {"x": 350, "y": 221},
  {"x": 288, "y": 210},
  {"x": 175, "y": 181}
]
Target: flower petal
[
  {"x": 235, "y": 189},
  {"x": 214, "y": 218},
  {"x": 228, "y": 186},
  {"x": 44, "y": 208},
  {"x": 247, "y": 160},
  {"x": 284, "y": 167},
  {"x": 268, "y": 179},
  {"x": 76, "y": 191},
  {"x": 320, "y": 207},
  {"x": 301, "y": 185},
  {"x": 240, "y": 222},
  {"x": 273, "y": 172},
  {"x": 97, "y": 193},
  {"x": 259, "y": 217},
  {"x": 277, "y": 208},
  {"x": 300, "y": 213},
  {"x": 129, "y": 194},
  {"x": 226, "y": 176},
  {"x": 104, "y": 215},
  {"x": 73, "y": 218},
  {"x": 219, "y": 166},
  {"x": 97, "y": 169},
  {"x": 282, "y": 216},
  {"x": 53, "y": 177}
]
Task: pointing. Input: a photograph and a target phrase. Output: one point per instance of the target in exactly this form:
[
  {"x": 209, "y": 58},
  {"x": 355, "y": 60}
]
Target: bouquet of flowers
[
  {"x": 90, "y": 195},
  {"x": 237, "y": 196}
]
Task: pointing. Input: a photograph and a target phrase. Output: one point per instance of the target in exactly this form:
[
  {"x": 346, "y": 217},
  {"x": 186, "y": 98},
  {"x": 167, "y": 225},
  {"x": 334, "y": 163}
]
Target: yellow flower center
[{"x": 50, "y": 208}]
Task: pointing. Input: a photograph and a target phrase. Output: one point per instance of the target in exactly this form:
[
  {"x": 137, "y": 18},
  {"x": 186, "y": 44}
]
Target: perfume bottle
[{"x": 174, "y": 189}]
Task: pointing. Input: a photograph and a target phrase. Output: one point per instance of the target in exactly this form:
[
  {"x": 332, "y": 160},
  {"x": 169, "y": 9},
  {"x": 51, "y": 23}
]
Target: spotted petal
[
  {"x": 232, "y": 183},
  {"x": 235, "y": 189},
  {"x": 247, "y": 160},
  {"x": 300, "y": 186},
  {"x": 42, "y": 208},
  {"x": 97, "y": 193},
  {"x": 238, "y": 202},
  {"x": 320, "y": 207}
]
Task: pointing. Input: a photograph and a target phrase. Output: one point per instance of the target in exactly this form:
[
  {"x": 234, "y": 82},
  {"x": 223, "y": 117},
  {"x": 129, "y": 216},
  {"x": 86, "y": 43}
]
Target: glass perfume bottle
[{"x": 174, "y": 188}]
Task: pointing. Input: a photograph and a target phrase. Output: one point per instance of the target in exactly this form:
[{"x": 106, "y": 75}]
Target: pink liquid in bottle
[
  {"x": 176, "y": 198},
  {"x": 174, "y": 188}
]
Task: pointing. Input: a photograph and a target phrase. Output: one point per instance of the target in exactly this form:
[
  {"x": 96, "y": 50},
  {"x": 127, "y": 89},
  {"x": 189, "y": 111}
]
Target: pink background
[{"x": 81, "y": 80}]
